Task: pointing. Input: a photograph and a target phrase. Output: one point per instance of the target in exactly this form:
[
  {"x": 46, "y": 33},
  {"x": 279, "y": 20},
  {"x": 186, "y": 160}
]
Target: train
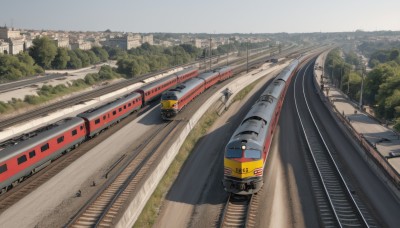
[
  {"x": 246, "y": 153},
  {"x": 175, "y": 99},
  {"x": 26, "y": 154}
]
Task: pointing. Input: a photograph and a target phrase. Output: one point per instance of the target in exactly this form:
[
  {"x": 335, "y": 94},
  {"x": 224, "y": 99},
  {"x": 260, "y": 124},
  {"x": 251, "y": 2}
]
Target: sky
[{"x": 203, "y": 16}]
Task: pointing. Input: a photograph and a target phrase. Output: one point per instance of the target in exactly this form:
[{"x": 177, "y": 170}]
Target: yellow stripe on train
[
  {"x": 242, "y": 169},
  {"x": 169, "y": 104}
]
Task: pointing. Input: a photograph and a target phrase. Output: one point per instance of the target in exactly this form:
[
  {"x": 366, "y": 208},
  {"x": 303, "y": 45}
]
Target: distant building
[
  {"x": 16, "y": 46},
  {"x": 148, "y": 39},
  {"x": 196, "y": 43},
  {"x": 27, "y": 44},
  {"x": 9, "y": 33},
  {"x": 165, "y": 43},
  {"x": 4, "y": 47},
  {"x": 62, "y": 42},
  {"x": 125, "y": 42},
  {"x": 80, "y": 44}
]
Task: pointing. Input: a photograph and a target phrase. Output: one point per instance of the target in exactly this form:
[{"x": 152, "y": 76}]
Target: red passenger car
[
  {"x": 186, "y": 74},
  {"x": 25, "y": 156},
  {"x": 225, "y": 73},
  {"x": 211, "y": 78},
  {"x": 103, "y": 116},
  {"x": 154, "y": 89}
]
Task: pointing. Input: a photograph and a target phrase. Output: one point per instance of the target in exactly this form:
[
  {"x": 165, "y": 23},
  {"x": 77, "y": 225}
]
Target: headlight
[{"x": 258, "y": 172}]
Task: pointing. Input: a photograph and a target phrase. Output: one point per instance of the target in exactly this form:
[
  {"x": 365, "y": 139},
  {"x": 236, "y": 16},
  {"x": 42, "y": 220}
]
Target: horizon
[{"x": 222, "y": 17}]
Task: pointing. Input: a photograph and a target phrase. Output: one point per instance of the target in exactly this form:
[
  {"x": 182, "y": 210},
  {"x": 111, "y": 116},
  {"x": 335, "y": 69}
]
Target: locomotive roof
[
  {"x": 156, "y": 83},
  {"x": 54, "y": 129},
  {"x": 95, "y": 112},
  {"x": 254, "y": 127},
  {"x": 184, "y": 87},
  {"x": 208, "y": 75}
]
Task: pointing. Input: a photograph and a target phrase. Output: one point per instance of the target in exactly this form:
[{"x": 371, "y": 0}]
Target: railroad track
[
  {"x": 42, "y": 111},
  {"x": 337, "y": 205},
  {"x": 240, "y": 211},
  {"x": 104, "y": 207}
]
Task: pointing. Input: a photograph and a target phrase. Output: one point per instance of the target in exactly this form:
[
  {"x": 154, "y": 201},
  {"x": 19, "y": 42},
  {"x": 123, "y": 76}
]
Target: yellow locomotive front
[
  {"x": 243, "y": 170},
  {"x": 169, "y": 105}
]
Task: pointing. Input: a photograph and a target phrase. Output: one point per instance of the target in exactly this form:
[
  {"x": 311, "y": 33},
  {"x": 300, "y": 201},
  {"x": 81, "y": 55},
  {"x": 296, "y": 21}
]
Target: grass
[
  {"x": 150, "y": 212},
  {"x": 246, "y": 90}
]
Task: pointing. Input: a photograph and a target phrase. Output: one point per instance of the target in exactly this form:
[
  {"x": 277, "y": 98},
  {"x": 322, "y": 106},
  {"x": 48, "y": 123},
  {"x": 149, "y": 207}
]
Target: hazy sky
[{"x": 209, "y": 16}]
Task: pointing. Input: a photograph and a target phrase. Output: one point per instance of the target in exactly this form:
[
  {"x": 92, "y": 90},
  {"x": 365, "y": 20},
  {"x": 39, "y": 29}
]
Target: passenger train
[
  {"x": 28, "y": 153},
  {"x": 246, "y": 153},
  {"x": 173, "y": 100}
]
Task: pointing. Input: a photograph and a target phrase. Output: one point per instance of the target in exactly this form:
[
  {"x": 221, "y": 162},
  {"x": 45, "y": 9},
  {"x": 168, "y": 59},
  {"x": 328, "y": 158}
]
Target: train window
[
  {"x": 104, "y": 117},
  {"x": 60, "y": 140},
  {"x": 74, "y": 132},
  {"x": 252, "y": 154},
  {"x": 21, "y": 159},
  {"x": 32, "y": 154},
  {"x": 44, "y": 147},
  {"x": 114, "y": 112},
  {"x": 97, "y": 121},
  {"x": 3, "y": 168},
  {"x": 124, "y": 106},
  {"x": 81, "y": 127},
  {"x": 234, "y": 153},
  {"x": 129, "y": 105},
  {"x": 120, "y": 109}
]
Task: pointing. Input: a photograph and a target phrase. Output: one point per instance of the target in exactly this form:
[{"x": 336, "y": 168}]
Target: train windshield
[
  {"x": 252, "y": 154},
  {"x": 169, "y": 96},
  {"x": 234, "y": 153}
]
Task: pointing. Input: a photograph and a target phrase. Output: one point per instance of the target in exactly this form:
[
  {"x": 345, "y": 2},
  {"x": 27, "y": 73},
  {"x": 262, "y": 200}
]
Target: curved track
[{"x": 337, "y": 206}]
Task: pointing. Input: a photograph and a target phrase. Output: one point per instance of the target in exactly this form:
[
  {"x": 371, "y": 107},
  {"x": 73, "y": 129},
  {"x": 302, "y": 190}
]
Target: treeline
[
  {"x": 45, "y": 55},
  {"x": 381, "y": 84},
  {"x": 15, "y": 67},
  {"x": 49, "y": 92},
  {"x": 148, "y": 58},
  {"x": 368, "y": 48},
  {"x": 48, "y": 56}
]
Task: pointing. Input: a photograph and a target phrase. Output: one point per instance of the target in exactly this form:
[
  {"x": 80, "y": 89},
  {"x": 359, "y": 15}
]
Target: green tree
[
  {"x": 93, "y": 59},
  {"x": 101, "y": 53},
  {"x": 74, "y": 62},
  {"x": 43, "y": 51},
  {"x": 83, "y": 57},
  {"x": 61, "y": 59}
]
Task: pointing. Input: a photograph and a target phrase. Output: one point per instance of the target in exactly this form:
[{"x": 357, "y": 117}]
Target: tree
[
  {"x": 93, "y": 59},
  {"x": 74, "y": 62},
  {"x": 101, "y": 53},
  {"x": 83, "y": 57},
  {"x": 61, "y": 59},
  {"x": 43, "y": 51}
]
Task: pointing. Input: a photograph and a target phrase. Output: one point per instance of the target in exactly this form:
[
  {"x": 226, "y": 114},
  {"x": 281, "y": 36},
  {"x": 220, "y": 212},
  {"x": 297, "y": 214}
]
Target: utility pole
[
  {"x": 362, "y": 83},
  {"x": 247, "y": 50},
  {"x": 205, "y": 56},
  {"x": 348, "y": 84},
  {"x": 227, "y": 55},
  {"x": 210, "y": 53}
]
